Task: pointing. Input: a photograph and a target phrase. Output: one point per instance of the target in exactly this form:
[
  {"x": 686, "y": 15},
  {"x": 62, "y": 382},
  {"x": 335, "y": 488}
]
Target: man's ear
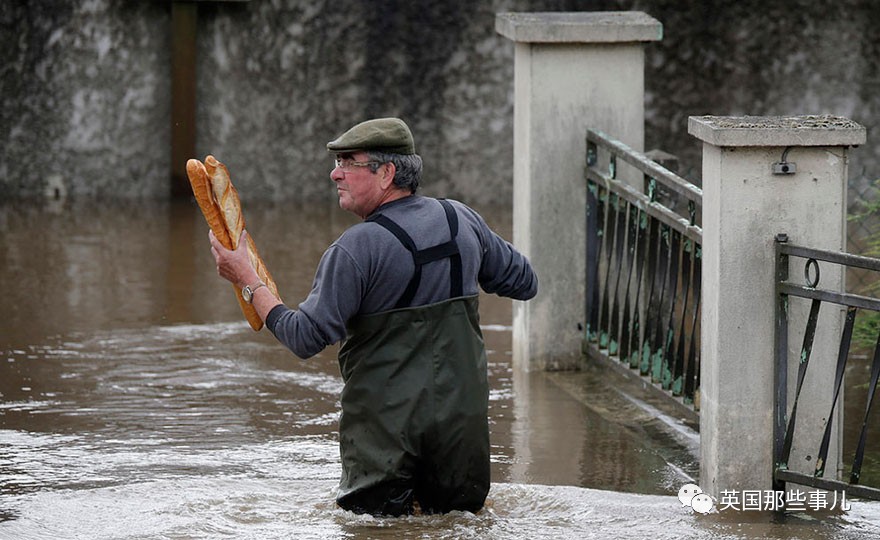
[{"x": 388, "y": 172}]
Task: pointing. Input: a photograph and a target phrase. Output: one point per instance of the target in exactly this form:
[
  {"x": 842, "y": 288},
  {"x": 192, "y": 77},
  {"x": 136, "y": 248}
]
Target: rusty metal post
[{"x": 183, "y": 93}]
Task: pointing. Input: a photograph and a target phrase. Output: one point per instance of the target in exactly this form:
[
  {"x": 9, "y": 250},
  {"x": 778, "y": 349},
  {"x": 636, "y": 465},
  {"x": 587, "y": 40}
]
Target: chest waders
[{"x": 414, "y": 423}]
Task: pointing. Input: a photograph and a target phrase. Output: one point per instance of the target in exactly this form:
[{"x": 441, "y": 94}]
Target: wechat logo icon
[{"x": 691, "y": 495}]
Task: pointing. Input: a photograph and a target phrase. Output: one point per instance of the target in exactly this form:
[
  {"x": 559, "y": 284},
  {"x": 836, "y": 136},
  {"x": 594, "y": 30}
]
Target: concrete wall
[
  {"x": 85, "y": 85},
  {"x": 84, "y": 96},
  {"x": 763, "y": 58},
  {"x": 86, "y": 92}
]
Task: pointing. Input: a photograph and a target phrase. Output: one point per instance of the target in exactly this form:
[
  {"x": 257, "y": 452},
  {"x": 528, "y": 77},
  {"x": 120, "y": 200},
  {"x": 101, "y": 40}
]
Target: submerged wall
[{"x": 85, "y": 85}]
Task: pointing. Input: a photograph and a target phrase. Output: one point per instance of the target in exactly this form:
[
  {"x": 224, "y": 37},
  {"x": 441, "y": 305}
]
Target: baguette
[
  {"x": 201, "y": 186},
  {"x": 218, "y": 199}
]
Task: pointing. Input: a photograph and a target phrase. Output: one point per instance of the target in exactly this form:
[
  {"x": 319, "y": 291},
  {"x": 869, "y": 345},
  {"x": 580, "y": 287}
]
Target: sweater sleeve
[
  {"x": 320, "y": 320},
  {"x": 503, "y": 270}
]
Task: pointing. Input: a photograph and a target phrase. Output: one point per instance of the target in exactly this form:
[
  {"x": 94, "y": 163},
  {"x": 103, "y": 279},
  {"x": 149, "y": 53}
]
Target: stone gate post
[
  {"x": 571, "y": 71},
  {"x": 750, "y": 195}
]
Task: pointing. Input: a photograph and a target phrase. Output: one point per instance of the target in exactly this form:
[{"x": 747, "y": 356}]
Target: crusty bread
[
  {"x": 201, "y": 186},
  {"x": 219, "y": 202},
  {"x": 226, "y": 197}
]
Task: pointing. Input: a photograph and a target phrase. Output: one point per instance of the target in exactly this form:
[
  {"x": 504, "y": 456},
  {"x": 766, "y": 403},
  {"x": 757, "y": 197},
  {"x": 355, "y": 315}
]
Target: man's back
[{"x": 368, "y": 269}]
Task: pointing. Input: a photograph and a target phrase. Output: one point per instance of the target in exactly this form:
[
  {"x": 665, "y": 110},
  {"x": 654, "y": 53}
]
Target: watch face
[{"x": 246, "y": 294}]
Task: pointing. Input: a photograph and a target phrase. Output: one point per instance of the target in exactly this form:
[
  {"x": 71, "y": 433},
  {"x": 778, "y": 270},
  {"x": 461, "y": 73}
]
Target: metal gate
[{"x": 784, "y": 427}]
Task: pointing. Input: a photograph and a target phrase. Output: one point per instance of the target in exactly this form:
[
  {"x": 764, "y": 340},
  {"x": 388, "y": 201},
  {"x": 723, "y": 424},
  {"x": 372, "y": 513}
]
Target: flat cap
[{"x": 390, "y": 135}]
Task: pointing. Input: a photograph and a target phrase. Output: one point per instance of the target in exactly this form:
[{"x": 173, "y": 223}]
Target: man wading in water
[{"x": 400, "y": 291}]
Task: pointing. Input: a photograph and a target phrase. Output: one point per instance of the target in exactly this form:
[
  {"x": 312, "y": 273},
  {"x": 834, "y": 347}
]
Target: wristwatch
[{"x": 248, "y": 292}]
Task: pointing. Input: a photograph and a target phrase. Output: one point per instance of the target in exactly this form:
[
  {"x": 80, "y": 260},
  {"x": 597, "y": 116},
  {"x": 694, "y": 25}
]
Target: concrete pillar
[
  {"x": 571, "y": 71},
  {"x": 745, "y": 205}
]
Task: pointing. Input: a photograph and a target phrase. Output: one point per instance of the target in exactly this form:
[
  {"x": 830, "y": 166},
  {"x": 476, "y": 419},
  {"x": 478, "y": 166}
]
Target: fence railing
[
  {"x": 784, "y": 427},
  {"x": 643, "y": 268}
]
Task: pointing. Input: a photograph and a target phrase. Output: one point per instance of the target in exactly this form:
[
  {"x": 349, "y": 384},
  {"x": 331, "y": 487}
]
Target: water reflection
[{"x": 137, "y": 403}]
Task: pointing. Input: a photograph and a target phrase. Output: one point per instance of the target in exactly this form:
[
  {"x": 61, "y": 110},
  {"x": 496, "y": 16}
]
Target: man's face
[{"x": 358, "y": 187}]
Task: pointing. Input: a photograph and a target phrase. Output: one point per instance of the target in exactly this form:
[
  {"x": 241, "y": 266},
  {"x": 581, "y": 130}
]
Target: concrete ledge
[
  {"x": 806, "y": 130},
  {"x": 579, "y": 27}
]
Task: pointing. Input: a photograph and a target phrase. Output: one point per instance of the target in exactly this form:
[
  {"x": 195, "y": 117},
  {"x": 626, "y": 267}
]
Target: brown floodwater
[{"x": 136, "y": 403}]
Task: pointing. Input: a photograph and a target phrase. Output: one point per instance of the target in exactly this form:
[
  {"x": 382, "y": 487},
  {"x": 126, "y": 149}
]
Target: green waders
[{"x": 414, "y": 423}]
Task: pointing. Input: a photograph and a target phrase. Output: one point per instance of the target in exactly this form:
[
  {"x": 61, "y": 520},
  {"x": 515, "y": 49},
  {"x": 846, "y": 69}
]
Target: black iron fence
[
  {"x": 643, "y": 269},
  {"x": 785, "y": 425}
]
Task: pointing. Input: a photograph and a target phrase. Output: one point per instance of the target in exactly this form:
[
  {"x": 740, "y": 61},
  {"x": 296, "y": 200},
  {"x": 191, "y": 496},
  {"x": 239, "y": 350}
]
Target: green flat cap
[{"x": 390, "y": 135}]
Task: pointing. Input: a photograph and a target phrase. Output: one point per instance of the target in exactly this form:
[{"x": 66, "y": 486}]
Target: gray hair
[{"x": 409, "y": 168}]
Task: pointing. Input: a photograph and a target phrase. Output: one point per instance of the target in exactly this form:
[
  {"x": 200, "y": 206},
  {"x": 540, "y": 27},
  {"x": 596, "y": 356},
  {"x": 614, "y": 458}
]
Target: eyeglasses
[{"x": 348, "y": 164}]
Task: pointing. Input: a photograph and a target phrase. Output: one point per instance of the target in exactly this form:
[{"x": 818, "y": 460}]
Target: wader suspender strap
[{"x": 424, "y": 256}]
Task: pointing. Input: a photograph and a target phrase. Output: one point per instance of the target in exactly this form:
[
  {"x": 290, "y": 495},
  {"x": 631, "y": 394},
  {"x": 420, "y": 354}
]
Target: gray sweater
[{"x": 367, "y": 269}]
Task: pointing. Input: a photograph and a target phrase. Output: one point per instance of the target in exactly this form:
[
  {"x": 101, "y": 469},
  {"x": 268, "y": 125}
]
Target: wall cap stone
[
  {"x": 804, "y": 130},
  {"x": 579, "y": 27}
]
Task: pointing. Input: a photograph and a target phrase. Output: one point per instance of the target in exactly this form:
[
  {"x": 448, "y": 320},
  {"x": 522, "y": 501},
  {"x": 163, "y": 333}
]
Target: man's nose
[{"x": 336, "y": 174}]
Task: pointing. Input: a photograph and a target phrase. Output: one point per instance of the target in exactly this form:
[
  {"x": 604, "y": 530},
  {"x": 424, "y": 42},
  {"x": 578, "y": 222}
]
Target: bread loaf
[
  {"x": 219, "y": 202},
  {"x": 201, "y": 186}
]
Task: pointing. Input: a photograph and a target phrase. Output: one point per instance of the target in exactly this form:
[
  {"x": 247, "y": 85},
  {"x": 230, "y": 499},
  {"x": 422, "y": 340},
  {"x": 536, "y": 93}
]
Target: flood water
[{"x": 136, "y": 403}]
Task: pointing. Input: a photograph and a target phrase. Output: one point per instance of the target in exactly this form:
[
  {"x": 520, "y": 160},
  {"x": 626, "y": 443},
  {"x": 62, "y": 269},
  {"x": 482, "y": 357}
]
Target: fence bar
[
  {"x": 693, "y": 364},
  {"x": 605, "y": 313},
  {"x": 594, "y": 248},
  {"x": 626, "y": 325},
  {"x": 619, "y": 248},
  {"x": 678, "y": 366},
  {"x": 843, "y": 299},
  {"x": 853, "y": 490},
  {"x": 780, "y": 370},
  {"x": 838, "y": 382},
  {"x": 675, "y": 258},
  {"x": 806, "y": 350},
  {"x": 641, "y": 261},
  {"x": 856, "y": 472},
  {"x": 656, "y": 314},
  {"x": 836, "y": 257}
]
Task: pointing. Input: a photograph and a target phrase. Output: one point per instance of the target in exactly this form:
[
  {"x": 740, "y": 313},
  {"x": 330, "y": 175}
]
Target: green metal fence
[{"x": 643, "y": 270}]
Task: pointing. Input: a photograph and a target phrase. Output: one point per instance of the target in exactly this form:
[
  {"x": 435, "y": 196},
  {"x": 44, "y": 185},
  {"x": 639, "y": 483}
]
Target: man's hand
[{"x": 234, "y": 265}]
